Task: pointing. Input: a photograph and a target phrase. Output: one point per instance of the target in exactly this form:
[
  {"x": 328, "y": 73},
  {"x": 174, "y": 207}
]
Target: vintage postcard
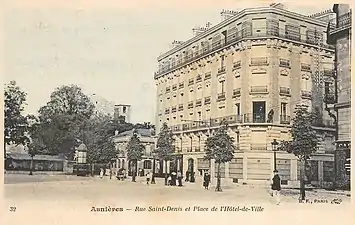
[{"x": 175, "y": 112}]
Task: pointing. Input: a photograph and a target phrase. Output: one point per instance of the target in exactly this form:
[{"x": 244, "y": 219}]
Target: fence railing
[{"x": 245, "y": 34}]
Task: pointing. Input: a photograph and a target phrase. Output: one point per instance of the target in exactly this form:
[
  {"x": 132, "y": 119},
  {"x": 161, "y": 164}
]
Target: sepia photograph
[{"x": 239, "y": 107}]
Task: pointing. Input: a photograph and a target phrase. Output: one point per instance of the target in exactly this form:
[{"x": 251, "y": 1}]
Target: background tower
[{"x": 122, "y": 112}]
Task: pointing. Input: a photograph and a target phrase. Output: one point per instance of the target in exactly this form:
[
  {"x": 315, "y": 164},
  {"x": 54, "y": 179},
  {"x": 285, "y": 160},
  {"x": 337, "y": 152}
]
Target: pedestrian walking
[
  {"x": 111, "y": 173},
  {"x": 148, "y": 178},
  {"x": 276, "y": 187},
  {"x": 173, "y": 178},
  {"x": 187, "y": 176},
  {"x": 206, "y": 180},
  {"x": 179, "y": 177},
  {"x": 169, "y": 180},
  {"x": 101, "y": 173}
]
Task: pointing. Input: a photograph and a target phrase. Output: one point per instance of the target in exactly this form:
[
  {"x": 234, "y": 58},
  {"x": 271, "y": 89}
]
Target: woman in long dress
[{"x": 101, "y": 173}]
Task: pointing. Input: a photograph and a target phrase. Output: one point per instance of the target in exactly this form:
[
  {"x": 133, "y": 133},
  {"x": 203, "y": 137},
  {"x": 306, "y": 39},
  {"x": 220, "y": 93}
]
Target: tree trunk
[
  {"x": 302, "y": 182},
  {"x": 153, "y": 177},
  {"x": 31, "y": 165},
  {"x": 133, "y": 171},
  {"x": 166, "y": 172},
  {"x": 218, "y": 187}
]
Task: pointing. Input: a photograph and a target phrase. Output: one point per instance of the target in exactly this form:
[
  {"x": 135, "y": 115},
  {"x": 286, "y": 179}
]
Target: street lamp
[{"x": 274, "y": 149}]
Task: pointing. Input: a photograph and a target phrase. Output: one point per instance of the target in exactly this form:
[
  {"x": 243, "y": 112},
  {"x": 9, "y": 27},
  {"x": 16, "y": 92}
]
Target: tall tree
[
  {"x": 63, "y": 119},
  {"x": 165, "y": 147},
  {"x": 304, "y": 141},
  {"x": 16, "y": 124},
  {"x": 135, "y": 150},
  {"x": 220, "y": 147}
]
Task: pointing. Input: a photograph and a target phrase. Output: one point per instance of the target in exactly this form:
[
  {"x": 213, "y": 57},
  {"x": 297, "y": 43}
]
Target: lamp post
[
  {"x": 153, "y": 170},
  {"x": 274, "y": 149}
]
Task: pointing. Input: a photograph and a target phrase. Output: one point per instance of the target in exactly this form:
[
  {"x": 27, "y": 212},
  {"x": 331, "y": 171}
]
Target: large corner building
[
  {"x": 251, "y": 70},
  {"x": 339, "y": 34}
]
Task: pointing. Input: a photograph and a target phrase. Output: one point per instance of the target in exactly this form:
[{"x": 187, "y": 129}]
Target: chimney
[
  {"x": 208, "y": 25},
  {"x": 175, "y": 43},
  {"x": 226, "y": 14},
  {"x": 198, "y": 30},
  {"x": 277, "y": 5}
]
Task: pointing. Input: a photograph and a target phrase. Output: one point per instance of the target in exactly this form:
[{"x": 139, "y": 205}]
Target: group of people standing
[{"x": 173, "y": 177}]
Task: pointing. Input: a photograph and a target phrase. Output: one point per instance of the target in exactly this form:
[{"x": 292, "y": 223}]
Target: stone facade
[
  {"x": 339, "y": 33},
  {"x": 252, "y": 69},
  {"x": 121, "y": 142}
]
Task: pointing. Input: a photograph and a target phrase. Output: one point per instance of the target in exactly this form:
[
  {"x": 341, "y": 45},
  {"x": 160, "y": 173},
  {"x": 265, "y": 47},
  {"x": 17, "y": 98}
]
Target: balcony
[
  {"x": 174, "y": 87},
  {"x": 285, "y": 91},
  {"x": 306, "y": 94},
  {"x": 285, "y": 119},
  {"x": 173, "y": 109},
  {"x": 236, "y": 92},
  {"x": 241, "y": 35},
  {"x": 324, "y": 123},
  {"x": 305, "y": 67},
  {"x": 197, "y": 149},
  {"x": 181, "y": 85},
  {"x": 221, "y": 70},
  {"x": 190, "y": 105},
  {"x": 284, "y": 63},
  {"x": 254, "y": 118},
  {"x": 167, "y": 111},
  {"x": 181, "y": 108},
  {"x": 221, "y": 97},
  {"x": 207, "y": 100},
  {"x": 208, "y": 76},
  {"x": 198, "y": 103},
  {"x": 258, "y": 90},
  {"x": 237, "y": 65},
  {"x": 328, "y": 72},
  {"x": 198, "y": 78},
  {"x": 259, "y": 61},
  {"x": 258, "y": 147},
  {"x": 191, "y": 82},
  {"x": 343, "y": 22},
  {"x": 167, "y": 90}
]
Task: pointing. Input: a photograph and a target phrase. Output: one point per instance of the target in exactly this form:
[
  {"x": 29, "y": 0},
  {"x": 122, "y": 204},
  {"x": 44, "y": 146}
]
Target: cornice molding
[{"x": 239, "y": 15}]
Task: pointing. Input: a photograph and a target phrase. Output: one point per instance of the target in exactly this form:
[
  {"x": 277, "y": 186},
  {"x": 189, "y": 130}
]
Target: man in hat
[{"x": 276, "y": 187}]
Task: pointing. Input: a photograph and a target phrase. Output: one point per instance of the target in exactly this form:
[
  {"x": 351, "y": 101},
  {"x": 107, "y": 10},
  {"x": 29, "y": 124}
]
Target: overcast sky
[{"x": 108, "y": 50}]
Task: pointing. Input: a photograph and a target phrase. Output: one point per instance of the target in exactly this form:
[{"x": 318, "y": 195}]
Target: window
[
  {"x": 237, "y": 108},
  {"x": 222, "y": 86},
  {"x": 283, "y": 108},
  {"x": 259, "y": 112},
  {"x": 124, "y": 109},
  {"x": 222, "y": 61},
  {"x": 147, "y": 164}
]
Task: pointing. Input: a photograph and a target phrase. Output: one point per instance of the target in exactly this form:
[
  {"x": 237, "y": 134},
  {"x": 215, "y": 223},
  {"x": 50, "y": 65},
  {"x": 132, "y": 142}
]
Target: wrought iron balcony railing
[
  {"x": 328, "y": 72},
  {"x": 198, "y": 102},
  {"x": 236, "y": 92},
  {"x": 221, "y": 97},
  {"x": 167, "y": 111},
  {"x": 198, "y": 78},
  {"x": 181, "y": 85},
  {"x": 285, "y": 91},
  {"x": 237, "y": 65},
  {"x": 173, "y": 109},
  {"x": 174, "y": 87},
  {"x": 167, "y": 90},
  {"x": 208, "y": 76},
  {"x": 221, "y": 70},
  {"x": 305, "y": 67},
  {"x": 191, "y": 82},
  {"x": 190, "y": 105},
  {"x": 254, "y": 118},
  {"x": 284, "y": 63},
  {"x": 259, "y": 61},
  {"x": 207, "y": 100},
  {"x": 285, "y": 119},
  {"x": 258, "y": 89},
  {"x": 252, "y": 33},
  {"x": 181, "y": 108},
  {"x": 258, "y": 147}
]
